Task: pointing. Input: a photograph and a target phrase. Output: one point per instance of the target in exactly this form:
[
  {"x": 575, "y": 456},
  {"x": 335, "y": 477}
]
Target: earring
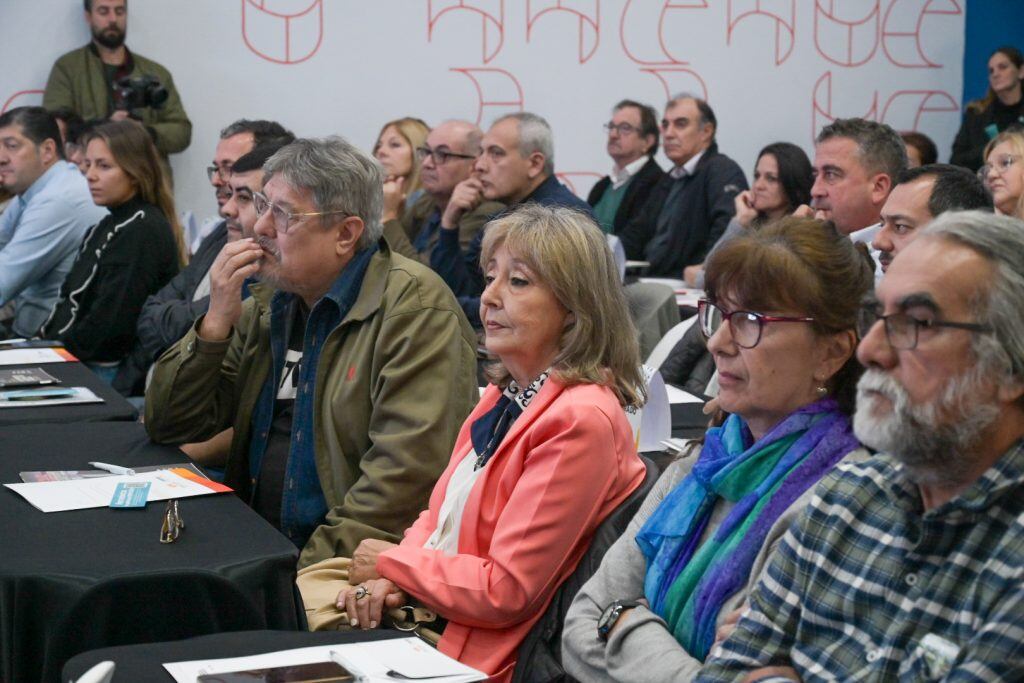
[{"x": 822, "y": 391}]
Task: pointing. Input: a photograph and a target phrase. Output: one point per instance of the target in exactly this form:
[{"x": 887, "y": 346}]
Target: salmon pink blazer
[{"x": 566, "y": 463}]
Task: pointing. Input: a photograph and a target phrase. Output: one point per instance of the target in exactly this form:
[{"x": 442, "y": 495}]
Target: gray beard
[{"x": 934, "y": 449}]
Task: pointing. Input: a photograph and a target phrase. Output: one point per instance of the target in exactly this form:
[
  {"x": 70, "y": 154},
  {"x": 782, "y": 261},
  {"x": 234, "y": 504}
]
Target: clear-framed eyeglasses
[
  {"x": 1001, "y": 165},
  {"x": 746, "y": 326},
  {"x": 283, "y": 219}
]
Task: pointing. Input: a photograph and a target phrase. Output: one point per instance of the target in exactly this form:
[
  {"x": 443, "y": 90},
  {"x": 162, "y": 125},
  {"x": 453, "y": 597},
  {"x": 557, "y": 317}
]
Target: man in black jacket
[
  {"x": 632, "y": 144},
  {"x": 688, "y": 210},
  {"x": 169, "y": 313}
]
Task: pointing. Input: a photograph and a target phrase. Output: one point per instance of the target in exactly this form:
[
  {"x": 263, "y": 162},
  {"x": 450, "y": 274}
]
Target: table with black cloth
[
  {"x": 71, "y": 374},
  {"x": 145, "y": 662},
  {"x": 84, "y": 579}
]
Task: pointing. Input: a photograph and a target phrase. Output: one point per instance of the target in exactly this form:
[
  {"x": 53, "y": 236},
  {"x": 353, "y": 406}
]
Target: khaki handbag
[{"x": 319, "y": 585}]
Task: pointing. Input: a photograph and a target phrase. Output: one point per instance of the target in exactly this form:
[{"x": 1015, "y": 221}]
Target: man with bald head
[{"x": 445, "y": 161}]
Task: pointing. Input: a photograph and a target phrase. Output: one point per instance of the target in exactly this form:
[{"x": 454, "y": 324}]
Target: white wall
[{"x": 768, "y": 79}]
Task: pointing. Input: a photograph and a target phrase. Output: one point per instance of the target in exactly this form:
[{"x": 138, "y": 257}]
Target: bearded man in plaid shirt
[{"x": 910, "y": 565}]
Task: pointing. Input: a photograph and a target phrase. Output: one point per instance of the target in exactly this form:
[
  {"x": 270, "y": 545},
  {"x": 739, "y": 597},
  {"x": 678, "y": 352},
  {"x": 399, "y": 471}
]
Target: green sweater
[{"x": 77, "y": 81}]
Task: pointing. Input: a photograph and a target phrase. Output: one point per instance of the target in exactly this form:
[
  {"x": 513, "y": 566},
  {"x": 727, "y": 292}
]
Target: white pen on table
[
  {"x": 113, "y": 469},
  {"x": 358, "y": 675}
]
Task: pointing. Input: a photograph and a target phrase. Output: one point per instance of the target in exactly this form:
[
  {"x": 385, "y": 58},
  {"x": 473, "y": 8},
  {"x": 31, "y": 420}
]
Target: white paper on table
[
  {"x": 410, "y": 657},
  {"x": 81, "y": 494},
  {"x": 688, "y": 297},
  {"x": 677, "y": 395},
  {"x": 28, "y": 356},
  {"x": 81, "y": 395},
  {"x": 653, "y": 421}
]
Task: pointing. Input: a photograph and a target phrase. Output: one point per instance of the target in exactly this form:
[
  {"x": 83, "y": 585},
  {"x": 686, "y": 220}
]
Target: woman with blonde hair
[
  {"x": 546, "y": 455},
  {"x": 395, "y": 149},
  {"x": 133, "y": 252},
  {"x": 1003, "y": 172}
]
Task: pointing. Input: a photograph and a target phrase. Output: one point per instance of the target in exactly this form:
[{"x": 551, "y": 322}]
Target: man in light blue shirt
[{"x": 44, "y": 225}]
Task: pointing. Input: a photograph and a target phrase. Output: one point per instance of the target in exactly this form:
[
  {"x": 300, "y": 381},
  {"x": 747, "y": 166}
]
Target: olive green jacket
[
  {"x": 76, "y": 81},
  {"x": 402, "y": 232},
  {"x": 395, "y": 381}
]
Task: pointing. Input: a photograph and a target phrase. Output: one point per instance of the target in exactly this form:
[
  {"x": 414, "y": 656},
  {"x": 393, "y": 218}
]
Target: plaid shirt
[{"x": 867, "y": 586}]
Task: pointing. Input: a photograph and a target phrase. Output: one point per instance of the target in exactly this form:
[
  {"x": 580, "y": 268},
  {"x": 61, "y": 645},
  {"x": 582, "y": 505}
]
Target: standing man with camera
[{"x": 104, "y": 80}]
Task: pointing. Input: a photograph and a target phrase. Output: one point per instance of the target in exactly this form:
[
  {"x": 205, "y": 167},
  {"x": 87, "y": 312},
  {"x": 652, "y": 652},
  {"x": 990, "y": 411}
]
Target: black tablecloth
[
  {"x": 80, "y": 580},
  {"x": 145, "y": 662},
  {"x": 114, "y": 406}
]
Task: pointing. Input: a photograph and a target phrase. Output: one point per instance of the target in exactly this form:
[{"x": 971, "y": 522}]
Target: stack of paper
[
  {"x": 80, "y": 494},
  {"x": 28, "y": 356},
  {"x": 382, "y": 661}
]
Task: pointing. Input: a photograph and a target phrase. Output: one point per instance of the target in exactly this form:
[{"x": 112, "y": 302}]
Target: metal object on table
[{"x": 173, "y": 525}]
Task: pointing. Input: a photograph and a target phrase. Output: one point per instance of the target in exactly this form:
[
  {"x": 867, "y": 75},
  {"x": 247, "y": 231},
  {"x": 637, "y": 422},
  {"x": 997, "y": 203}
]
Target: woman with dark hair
[
  {"x": 133, "y": 252},
  {"x": 1001, "y": 107},
  {"x": 780, "y": 318},
  {"x": 783, "y": 177}
]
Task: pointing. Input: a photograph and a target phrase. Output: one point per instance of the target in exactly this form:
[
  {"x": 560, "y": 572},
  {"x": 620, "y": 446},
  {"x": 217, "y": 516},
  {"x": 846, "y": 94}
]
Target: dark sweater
[
  {"x": 127, "y": 256},
  {"x": 637, "y": 192},
  {"x": 980, "y": 127},
  {"x": 705, "y": 203},
  {"x": 167, "y": 315}
]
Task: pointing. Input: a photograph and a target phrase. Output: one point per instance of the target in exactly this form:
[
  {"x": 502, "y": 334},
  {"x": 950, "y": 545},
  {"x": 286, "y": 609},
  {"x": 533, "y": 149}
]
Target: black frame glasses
[
  {"x": 902, "y": 329},
  {"x": 710, "y": 318},
  {"x": 440, "y": 156},
  {"x": 283, "y": 219}
]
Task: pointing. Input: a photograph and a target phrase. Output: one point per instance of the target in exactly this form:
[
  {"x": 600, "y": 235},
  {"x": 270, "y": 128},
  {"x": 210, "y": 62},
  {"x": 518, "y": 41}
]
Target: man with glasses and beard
[
  {"x": 85, "y": 80},
  {"x": 910, "y": 565}
]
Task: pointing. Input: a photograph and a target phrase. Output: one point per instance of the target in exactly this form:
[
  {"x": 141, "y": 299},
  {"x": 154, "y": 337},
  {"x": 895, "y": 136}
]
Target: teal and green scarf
[{"x": 687, "y": 582}]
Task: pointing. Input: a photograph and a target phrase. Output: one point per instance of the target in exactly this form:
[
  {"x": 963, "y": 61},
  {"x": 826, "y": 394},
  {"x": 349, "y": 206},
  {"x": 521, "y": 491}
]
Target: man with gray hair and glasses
[
  {"x": 910, "y": 565},
  {"x": 346, "y": 374},
  {"x": 516, "y": 166}
]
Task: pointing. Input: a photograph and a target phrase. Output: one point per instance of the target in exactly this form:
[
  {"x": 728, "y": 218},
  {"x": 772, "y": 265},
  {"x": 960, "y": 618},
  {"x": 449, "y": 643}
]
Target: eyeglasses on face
[
  {"x": 440, "y": 156},
  {"x": 902, "y": 329},
  {"x": 221, "y": 172},
  {"x": 620, "y": 128},
  {"x": 746, "y": 326},
  {"x": 283, "y": 219},
  {"x": 1001, "y": 166}
]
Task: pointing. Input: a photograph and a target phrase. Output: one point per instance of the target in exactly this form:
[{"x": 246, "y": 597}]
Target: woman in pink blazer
[{"x": 546, "y": 455}]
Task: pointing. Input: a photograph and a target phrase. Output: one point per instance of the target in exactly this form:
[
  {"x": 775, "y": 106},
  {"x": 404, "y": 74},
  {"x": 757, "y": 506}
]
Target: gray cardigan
[{"x": 641, "y": 649}]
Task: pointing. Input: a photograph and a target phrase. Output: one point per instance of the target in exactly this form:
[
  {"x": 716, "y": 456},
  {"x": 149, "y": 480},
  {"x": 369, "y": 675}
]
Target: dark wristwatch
[{"x": 611, "y": 614}]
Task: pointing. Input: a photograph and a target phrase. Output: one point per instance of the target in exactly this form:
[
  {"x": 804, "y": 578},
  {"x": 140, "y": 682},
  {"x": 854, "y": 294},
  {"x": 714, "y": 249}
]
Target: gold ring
[{"x": 361, "y": 592}]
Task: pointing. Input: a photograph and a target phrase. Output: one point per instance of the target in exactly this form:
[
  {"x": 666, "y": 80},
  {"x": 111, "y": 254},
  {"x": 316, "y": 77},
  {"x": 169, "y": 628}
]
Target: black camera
[{"x": 141, "y": 91}]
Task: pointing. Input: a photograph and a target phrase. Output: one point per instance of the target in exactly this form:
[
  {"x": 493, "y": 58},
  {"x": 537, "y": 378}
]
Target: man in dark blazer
[
  {"x": 689, "y": 208},
  {"x": 632, "y": 144}
]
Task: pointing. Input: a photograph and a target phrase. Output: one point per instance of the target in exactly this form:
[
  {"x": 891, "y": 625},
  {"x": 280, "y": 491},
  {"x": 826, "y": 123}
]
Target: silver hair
[
  {"x": 534, "y": 136},
  {"x": 1000, "y": 241},
  {"x": 340, "y": 176}
]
